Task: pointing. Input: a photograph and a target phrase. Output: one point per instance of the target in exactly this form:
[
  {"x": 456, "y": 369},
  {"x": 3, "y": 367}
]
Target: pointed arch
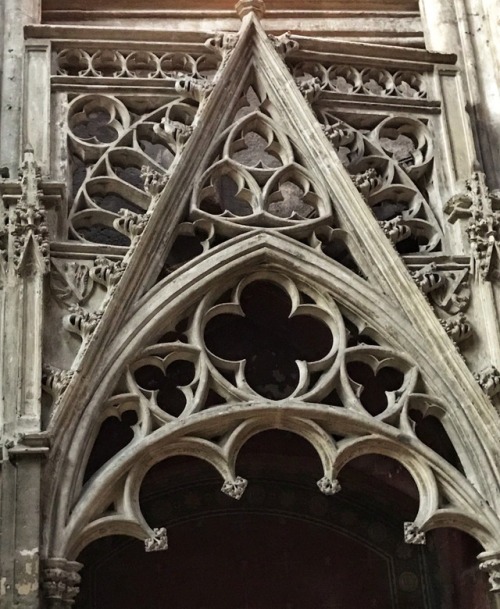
[{"x": 78, "y": 518}]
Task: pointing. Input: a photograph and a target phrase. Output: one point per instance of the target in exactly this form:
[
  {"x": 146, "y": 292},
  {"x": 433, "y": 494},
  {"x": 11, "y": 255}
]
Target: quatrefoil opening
[{"x": 279, "y": 342}]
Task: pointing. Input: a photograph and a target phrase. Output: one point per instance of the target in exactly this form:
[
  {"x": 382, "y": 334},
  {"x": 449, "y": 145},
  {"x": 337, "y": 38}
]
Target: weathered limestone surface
[{"x": 159, "y": 165}]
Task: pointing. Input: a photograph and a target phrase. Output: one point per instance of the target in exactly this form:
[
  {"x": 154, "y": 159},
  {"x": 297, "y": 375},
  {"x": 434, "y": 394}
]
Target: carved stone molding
[
  {"x": 428, "y": 278},
  {"x": 482, "y": 210},
  {"x": 61, "y": 582},
  {"x": 257, "y": 7}
]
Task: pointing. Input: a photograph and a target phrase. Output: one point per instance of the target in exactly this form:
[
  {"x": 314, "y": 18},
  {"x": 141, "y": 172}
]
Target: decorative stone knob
[{"x": 243, "y": 7}]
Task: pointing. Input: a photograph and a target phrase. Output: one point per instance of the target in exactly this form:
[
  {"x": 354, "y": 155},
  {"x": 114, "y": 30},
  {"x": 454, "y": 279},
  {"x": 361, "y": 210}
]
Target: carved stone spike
[
  {"x": 284, "y": 44},
  {"x": 413, "y": 535},
  {"x": 457, "y": 328},
  {"x": 329, "y": 486},
  {"x": 489, "y": 381},
  {"x": 130, "y": 224},
  {"x": 28, "y": 226},
  {"x": 428, "y": 278},
  {"x": 107, "y": 272},
  {"x": 490, "y": 563},
  {"x": 235, "y": 488},
  {"x": 257, "y": 7},
  {"x": 61, "y": 582},
  {"x": 55, "y": 380},
  {"x": 158, "y": 542},
  {"x": 194, "y": 88},
  {"x": 82, "y": 322},
  {"x": 395, "y": 229}
]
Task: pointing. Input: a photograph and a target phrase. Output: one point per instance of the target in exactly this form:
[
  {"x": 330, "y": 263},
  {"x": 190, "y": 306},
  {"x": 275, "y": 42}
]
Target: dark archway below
[{"x": 283, "y": 545}]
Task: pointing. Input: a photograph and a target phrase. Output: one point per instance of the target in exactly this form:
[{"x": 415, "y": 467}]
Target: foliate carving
[
  {"x": 55, "y": 380},
  {"x": 482, "y": 209},
  {"x": 28, "y": 223},
  {"x": 453, "y": 294},
  {"x": 154, "y": 181},
  {"x": 310, "y": 89},
  {"x": 489, "y": 380},
  {"x": 490, "y": 564},
  {"x": 107, "y": 272},
  {"x": 194, "y": 88},
  {"x": 328, "y": 485},
  {"x": 235, "y": 488},
  {"x": 82, "y": 322},
  {"x": 284, "y": 44},
  {"x": 222, "y": 44},
  {"x": 130, "y": 223},
  {"x": 61, "y": 582},
  {"x": 367, "y": 181},
  {"x": 70, "y": 282},
  {"x": 458, "y": 328},
  {"x": 413, "y": 535},
  {"x": 396, "y": 229},
  {"x": 428, "y": 279},
  {"x": 158, "y": 542}
]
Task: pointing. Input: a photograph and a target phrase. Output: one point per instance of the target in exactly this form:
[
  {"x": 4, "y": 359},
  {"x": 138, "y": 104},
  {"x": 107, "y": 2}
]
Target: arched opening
[{"x": 283, "y": 545}]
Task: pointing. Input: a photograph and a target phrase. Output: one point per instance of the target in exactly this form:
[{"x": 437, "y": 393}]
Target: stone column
[
  {"x": 24, "y": 263},
  {"x": 16, "y": 14}
]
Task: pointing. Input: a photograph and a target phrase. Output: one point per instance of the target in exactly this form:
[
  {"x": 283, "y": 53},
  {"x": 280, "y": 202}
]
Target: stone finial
[
  {"x": 413, "y": 535},
  {"x": 235, "y": 488},
  {"x": 158, "y": 542},
  {"x": 61, "y": 582},
  {"x": 257, "y": 7},
  {"x": 328, "y": 486}
]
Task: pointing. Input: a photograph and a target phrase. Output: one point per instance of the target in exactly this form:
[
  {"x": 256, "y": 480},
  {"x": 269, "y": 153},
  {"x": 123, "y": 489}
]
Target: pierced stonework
[
  {"x": 235, "y": 487},
  {"x": 482, "y": 209},
  {"x": 413, "y": 535},
  {"x": 61, "y": 582},
  {"x": 329, "y": 486},
  {"x": 158, "y": 542}
]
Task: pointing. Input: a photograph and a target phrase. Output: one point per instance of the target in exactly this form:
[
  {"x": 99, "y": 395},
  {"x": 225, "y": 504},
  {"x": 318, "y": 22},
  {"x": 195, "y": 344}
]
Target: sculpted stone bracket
[
  {"x": 24, "y": 238},
  {"x": 481, "y": 209}
]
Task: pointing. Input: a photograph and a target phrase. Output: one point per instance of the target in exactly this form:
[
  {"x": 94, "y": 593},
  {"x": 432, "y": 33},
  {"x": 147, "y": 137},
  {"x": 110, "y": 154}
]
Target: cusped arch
[{"x": 222, "y": 268}]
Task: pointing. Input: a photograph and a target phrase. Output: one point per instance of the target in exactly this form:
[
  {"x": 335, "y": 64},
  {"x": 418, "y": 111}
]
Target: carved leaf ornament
[{"x": 263, "y": 329}]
